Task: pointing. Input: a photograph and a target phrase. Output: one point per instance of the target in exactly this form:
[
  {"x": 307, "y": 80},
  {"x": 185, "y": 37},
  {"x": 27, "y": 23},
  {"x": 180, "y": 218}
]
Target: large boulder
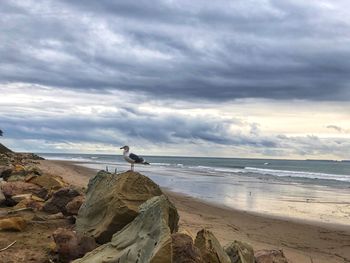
[
  {"x": 183, "y": 249},
  {"x": 146, "y": 239},
  {"x": 240, "y": 252},
  {"x": 270, "y": 256},
  {"x": 210, "y": 248},
  {"x": 70, "y": 245},
  {"x": 112, "y": 202},
  {"x": 57, "y": 203}
]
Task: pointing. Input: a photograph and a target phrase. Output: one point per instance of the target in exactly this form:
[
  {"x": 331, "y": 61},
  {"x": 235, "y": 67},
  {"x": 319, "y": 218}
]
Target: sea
[{"x": 315, "y": 190}]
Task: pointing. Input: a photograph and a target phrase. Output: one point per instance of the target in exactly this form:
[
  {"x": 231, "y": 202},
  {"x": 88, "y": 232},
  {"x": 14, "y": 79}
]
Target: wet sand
[{"x": 301, "y": 241}]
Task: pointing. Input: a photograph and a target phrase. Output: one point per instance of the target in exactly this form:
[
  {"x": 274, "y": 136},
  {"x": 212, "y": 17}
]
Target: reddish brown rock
[
  {"x": 73, "y": 206},
  {"x": 70, "y": 245},
  {"x": 30, "y": 203},
  {"x": 270, "y": 256},
  {"x": 18, "y": 188},
  {"x": 183, "y": 249},
  {"x": 59, "y": 200}
]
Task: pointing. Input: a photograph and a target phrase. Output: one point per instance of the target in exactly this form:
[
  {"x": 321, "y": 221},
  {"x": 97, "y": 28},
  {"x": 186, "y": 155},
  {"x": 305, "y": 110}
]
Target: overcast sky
[{"x": 242, "y": 78}]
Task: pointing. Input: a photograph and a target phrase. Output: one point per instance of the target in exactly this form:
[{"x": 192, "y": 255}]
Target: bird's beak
[{"x": 122, "y": 147}]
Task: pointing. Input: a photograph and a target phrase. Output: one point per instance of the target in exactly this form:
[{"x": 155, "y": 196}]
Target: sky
[{"x": 241, "y": 78}]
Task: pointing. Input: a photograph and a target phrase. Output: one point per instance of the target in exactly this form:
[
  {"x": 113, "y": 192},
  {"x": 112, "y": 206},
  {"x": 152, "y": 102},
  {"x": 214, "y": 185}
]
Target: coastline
[{"x": 301, "y": 241}]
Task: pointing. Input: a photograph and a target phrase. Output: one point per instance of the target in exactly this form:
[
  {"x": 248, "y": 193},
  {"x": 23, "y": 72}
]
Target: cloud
[
  {"x": 338, "y": 128},
  {"x": 186, "y": 50}
]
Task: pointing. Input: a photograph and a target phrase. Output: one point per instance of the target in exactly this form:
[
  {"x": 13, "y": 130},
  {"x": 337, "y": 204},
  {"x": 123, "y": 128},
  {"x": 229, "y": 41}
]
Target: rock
[
  {"x": 19, "y": 198},
  {"x": 55, "y": 216},
  {"x": 2, "y": 197},
  {"x": 48, "y": 182},
  {"x": 17, "y": 188},
  {"x": 210, "y": 248},
  {"x": 70, "y": 245},
  {"x": 30, "y": 203},
  {"x": 112, "y": 202},
  {"x": 146, "y": 239},
  {"x": 183, "y": 249},
  {"x": 12, "y": 224},
  {"x": 240, "y": 252},
  {"x": 73, "y": 206},
  {"x": 59, "y": 200},
  {"x": 6, "y": 173},
  {"x": 270, "y": 256}
]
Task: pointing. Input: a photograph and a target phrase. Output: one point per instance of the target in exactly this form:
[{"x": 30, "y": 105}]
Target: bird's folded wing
[{"x": 136, "y": 158}]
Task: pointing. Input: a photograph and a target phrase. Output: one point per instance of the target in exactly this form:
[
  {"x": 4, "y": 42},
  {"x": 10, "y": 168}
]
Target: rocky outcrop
[
  {"x": 210, "y": 248},
  {"x": 57, "y": 203},
  {"x": 270, "y": 256},
  {"x": 112, "y": 202},
  {"x": 183, "y": 249},
  {"x": 70, "y": 245},
  {"x": 240, "y": 252},
  {"x": 4, "y": 149},
  {"x": 146, "y": 239}
]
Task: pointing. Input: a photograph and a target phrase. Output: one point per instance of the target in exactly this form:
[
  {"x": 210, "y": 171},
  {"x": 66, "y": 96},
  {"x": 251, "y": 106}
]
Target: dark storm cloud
[
  {"x": 217, "y": 50},
  {"x": 133, "y": 125}
]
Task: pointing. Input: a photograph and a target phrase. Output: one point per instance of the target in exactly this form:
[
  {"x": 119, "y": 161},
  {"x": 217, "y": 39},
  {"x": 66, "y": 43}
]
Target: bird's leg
[{"x": 132, "y": 167}]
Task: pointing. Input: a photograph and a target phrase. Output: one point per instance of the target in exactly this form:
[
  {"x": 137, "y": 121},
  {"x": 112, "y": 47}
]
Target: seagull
[{"x": 132, "y": 158}]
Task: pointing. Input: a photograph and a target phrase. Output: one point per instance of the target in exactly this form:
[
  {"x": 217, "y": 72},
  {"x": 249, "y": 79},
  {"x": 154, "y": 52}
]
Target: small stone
[
  {"x": 12, "y": 224},
  {"x": 55, "y": 216},
  {"x": 270, "y": 256},
  {"x": 240, "y": 252}
]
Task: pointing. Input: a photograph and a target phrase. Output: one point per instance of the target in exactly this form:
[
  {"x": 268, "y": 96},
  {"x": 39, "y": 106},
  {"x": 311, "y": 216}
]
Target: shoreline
[{"x": 301, "y": 241}]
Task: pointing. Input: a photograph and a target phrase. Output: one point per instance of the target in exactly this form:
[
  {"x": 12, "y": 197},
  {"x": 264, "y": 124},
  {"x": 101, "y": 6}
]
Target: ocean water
[
  {"x": 308, "y": 190},
  {"x": 294, "y": 169}
]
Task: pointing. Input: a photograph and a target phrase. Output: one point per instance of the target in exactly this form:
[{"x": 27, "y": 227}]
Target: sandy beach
[{"x": 301, "y": 241}]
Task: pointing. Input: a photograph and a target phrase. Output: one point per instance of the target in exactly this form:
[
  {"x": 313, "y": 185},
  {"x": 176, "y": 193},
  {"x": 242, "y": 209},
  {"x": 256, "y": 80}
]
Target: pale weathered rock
[
  {"x": 70, "y": 245},
  {"x": 183, "y": 249},
  {"x": 59, "y": 200},
  {"x": 146, "y": 239},
  {"x": 55, "y": 216},
  {"x": 73, "y": 206},
  {"x": 210, "y": 248},
  {"x": 240, "y": 252},
  {"x": 270, "y": 256},
  {"x": 12, "y": 224},
  {"x": 30, "y": 203},
  {"x": 112, "y": 202}
]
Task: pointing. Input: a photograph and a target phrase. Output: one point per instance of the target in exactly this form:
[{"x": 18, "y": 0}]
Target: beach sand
[{"x": 301, "y": 241}]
